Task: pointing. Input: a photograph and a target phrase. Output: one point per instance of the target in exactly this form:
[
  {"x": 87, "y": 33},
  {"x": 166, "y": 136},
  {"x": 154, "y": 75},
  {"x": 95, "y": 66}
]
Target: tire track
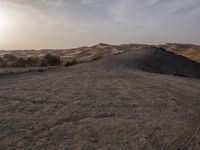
[
  {"x": 188, "y": 136},
  {"x": 162, "y": 116},
  {"x": 16, "y": 99},
  {"x": 183, "y": 141}
]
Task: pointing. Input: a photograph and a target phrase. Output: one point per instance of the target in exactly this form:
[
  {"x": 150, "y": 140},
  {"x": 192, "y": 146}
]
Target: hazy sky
[{"x": 37, "y": 24}]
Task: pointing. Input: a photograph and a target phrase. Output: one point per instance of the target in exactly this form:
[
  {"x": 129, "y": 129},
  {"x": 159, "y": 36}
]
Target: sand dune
[
  {"x": 187, "y": 50},
  {"x": 100, "y": 50}
]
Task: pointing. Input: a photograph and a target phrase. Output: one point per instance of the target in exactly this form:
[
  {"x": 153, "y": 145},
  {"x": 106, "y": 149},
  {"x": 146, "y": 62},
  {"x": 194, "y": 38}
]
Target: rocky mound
[{"x": 157, "y": 60}]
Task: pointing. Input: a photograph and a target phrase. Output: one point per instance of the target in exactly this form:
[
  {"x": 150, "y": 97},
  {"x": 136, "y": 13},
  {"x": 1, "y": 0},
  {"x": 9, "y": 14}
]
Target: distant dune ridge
[
  {"x": 171, "y": 58},
  {"x": 187, "y": 50}
]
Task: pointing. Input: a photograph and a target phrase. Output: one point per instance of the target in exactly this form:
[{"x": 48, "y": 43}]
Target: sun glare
[
  {"x": 4, "y": 21},
  {"x": 5, "y": 27}
]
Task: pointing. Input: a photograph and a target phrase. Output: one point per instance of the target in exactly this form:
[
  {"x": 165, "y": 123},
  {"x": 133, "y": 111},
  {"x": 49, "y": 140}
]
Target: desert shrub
[
  {"x": 3, "y": 63},
  {"x": 70, "y": 63},
  {"x": 20, "y": 62},
  {"x": 10, "y": 57},
  {"x": 50, "y": 60},
  {"x": 31, "y": 61}
]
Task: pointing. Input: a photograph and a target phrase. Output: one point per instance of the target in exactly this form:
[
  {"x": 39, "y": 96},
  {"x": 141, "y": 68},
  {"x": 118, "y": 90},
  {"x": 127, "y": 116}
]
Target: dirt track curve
[{"x": 100, "y": 105}]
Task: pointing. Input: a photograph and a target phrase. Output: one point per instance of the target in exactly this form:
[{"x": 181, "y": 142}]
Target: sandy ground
[{"x": 100, "y": 105}]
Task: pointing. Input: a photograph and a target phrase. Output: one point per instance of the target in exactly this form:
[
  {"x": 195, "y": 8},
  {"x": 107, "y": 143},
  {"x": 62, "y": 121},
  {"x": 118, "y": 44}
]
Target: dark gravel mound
[{"x": 156, "y": 60}]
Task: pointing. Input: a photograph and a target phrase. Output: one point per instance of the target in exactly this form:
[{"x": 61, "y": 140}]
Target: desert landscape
[
  {"x": 99, "y": 75},
  {"x": 86, "y": 54},
  {"x": 117, "y": 97}
]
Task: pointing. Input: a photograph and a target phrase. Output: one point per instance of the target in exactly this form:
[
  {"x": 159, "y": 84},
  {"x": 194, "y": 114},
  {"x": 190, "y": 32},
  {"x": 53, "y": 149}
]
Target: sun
[
  {"x": 4, "y": 21},
  {"x": 5, "y": 26}
]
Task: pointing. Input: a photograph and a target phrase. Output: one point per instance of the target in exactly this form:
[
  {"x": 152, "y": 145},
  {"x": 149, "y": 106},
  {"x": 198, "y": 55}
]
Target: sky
[{"x": 58, "y": 24}]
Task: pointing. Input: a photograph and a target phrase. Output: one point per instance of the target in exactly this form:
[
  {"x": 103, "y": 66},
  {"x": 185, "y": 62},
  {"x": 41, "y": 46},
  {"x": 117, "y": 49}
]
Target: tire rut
[{"x": 183, "y": 141}]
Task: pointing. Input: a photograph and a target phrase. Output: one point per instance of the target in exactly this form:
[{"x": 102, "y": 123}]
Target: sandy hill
[{"x": 186, "y": 50}]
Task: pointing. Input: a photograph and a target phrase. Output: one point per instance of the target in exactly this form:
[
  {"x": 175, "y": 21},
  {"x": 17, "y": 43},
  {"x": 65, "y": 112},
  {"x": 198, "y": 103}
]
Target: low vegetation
[
  {"x": 3, "y": 63},
  {"x": 20, "y": 62},
  {"x": 9, "y": 60},
  {"x": 50, "y": 60},
  {"x": 32, "y": 61}
]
